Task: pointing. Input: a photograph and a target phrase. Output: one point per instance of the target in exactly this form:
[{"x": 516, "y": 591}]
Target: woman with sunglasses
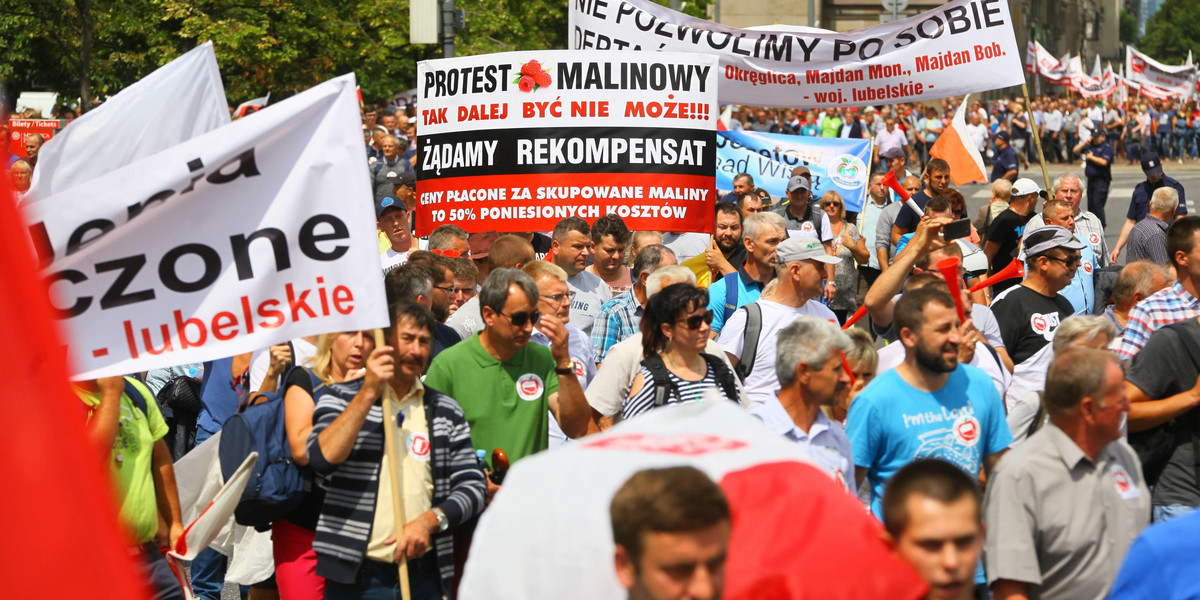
[
  {"x": 850, "y": 246},
  {"x": 675, "y": 329},
  {"x": 340, "y": 357}
]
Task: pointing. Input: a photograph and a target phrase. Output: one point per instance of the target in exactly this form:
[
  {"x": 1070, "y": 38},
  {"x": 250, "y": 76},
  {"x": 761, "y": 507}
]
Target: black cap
[
  {"x": 1003, "y": 135},
  {"x": 408, "y": 178},
  {"x": 1151, "y": 165},
  {"x": 382, "y": 205}
]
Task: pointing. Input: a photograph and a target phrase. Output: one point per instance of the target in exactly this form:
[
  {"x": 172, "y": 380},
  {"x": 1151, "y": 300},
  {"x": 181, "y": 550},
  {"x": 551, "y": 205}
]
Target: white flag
[
  {"x": 175, "y": 103},
  {"x": 247, "y": 236}
]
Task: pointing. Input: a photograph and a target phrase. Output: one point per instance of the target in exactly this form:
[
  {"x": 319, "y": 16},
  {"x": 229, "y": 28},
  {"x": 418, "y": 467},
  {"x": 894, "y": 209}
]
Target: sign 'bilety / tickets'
[
  {"x": 518, "y": 141},
  {"x": 961, "y": 47}
]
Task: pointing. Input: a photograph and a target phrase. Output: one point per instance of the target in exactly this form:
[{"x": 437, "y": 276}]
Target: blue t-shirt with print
[{"x": 891, "y": 424}]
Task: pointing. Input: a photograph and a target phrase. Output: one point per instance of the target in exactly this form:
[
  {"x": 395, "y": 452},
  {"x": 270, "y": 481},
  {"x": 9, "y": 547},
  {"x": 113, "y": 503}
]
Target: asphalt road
[{"x": 1125, "y": 178}]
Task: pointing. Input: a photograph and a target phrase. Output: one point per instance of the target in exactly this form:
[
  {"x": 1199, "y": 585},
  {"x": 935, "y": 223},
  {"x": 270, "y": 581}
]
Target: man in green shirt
[{"x": 504, "y": 384}]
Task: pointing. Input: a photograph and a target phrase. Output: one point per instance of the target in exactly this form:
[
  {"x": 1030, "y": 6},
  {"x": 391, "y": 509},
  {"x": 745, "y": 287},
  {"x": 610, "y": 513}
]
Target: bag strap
[
  {"x": 135, "y": 394},
  {"x": 750, "y": 340},
  {"x": 731, "y": 295},
  {"x": 723, "y": 375},
  {"x": 1039, "y": 417},
  {"x": 663, "y": 386}
]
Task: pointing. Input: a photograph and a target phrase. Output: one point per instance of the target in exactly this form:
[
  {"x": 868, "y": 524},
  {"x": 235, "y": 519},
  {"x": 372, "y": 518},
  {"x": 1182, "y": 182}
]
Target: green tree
[
  {"x": 1172, "y": 31},
  {"x": 1128, "y": 28}
]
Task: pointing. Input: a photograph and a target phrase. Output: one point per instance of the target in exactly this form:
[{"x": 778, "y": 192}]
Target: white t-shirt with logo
[
  {"x": 590, "y": 293},
  {"x": 762, "y": 384}
]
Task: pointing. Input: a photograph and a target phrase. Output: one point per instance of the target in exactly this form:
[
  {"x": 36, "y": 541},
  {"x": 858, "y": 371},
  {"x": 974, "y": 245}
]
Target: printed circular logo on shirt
[
  {"x": 529, "y": 387},
  {"x": 806, "y": 226},
  {"x": 1087, "y": 267},
  {"x": 418, "y": 446},
  {"x": 1121, "y": 479},
  {"x": 1039, "y": 324},
  {"x": 966, "y": 429},
  {"x": 580, "y": 371},
  {"x": 1094, "y": 239}
]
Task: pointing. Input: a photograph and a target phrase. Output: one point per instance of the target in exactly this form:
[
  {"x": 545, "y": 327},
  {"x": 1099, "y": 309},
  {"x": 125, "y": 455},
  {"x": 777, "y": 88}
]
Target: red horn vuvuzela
[
  {"x": 1014, "y": 269},
  {"x": 890, "y": 180},
  {"x": 858, "y": 314},
  {"x": 949, "y": 268}
]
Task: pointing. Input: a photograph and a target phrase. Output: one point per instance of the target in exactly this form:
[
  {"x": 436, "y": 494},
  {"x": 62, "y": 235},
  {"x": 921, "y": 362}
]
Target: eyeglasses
[
  {"x": 1067, "y": 262},
  {"x": 521, "y": 318},
  {"x": 558, "y": 298},
  {"x": 693, "y": 322},
  {"x": 449, "y": 289},
  {"x": 831, "y": 204}
]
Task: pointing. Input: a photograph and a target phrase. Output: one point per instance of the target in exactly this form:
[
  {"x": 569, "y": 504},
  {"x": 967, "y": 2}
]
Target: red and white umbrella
[{"x": 796, "y": 533}]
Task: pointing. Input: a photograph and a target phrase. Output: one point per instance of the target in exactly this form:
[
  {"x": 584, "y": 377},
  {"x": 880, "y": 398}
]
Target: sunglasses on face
[
  {"x": 827, "y": 204},
  {"x": 1068, "y": 262},
  {"x": 521, "y": 318},
  {"x": 693, "y": 322}
]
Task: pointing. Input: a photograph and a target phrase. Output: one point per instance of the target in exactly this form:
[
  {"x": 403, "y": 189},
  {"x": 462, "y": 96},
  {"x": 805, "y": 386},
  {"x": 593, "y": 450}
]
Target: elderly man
[
  {"x": 751, "y": 333},
  {"x": 743, "y": 184},
  {"x": 809, "y": 375},
  {"x": 389, "y": 166},
  {"x": 1081, "y": 293},
  {"x": 1136, "y": 282},
  {"x": 1148, "y": 238},
  {"x": 570, "y": 248},
  {"x": 1139, "y": 205},
  {"x": 513, "y": 385},
  {"x": 33, "y": 145},
  {"x": 1064, "y": 506},
  {"x": 619, "y": 318},
  {"x": 762, "y": 233},
  {"x": 1069, "y": 187},
  {"x": 358, "y": 540}
]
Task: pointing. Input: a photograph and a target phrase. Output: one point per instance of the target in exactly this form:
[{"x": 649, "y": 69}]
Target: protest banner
[
  {"x": 250, "y": 235},
  {"x": 175, "y": 103},
  {"x": 837, "y": 164},
  {"x": 960, "y": 47},
  {"x": 19, "y": 129},
  {"x": 1039, "y": 60},
  {"x": 1178, "y": 81},
  {"x": 1102, "y": 87},
  {"x": 520, "y": 140}
]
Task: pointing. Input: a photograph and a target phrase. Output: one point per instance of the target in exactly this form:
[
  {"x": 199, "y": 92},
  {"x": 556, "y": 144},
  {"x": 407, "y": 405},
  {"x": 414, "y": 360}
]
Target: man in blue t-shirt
[
  {"x": 928, "y": 407},
  {"x": 1160, "y": 565}
]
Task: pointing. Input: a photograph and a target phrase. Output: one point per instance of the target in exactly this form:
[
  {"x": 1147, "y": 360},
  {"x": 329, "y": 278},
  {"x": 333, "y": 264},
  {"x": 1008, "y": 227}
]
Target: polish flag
[
  {"x": 257, "y": 104},
  {"x": 60, "y": 536},
  {"x": 723, "y": 120},
  {"x": 955, "y": 147}
]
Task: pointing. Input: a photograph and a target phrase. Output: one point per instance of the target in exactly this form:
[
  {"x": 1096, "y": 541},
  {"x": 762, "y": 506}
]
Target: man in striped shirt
[
  {"x": 1175, "y": 302},
  {"x": 440, "y": 487}
]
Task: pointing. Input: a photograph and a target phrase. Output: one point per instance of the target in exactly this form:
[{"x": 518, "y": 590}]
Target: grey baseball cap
[
  {"x": 803, "y": 248},
  {"x": 1048, "y": 238}
]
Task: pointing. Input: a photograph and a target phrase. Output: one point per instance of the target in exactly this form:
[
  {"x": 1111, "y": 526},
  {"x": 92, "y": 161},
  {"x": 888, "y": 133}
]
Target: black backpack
[
  {"x": 664, "y": 388},
  {"x": 277, "y": 485},
  {"x": 1156, "y": 445},
  {"x": 749, "y": 341}
]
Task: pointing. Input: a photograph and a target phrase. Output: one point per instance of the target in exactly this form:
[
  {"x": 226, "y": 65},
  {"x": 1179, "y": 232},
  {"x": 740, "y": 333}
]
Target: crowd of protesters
[{"x": 1014, "y": 439}]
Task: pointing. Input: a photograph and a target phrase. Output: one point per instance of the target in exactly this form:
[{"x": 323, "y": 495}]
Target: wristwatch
[
  {"x": 443, "y": 521},
  {"x": 565, "y": 370}
]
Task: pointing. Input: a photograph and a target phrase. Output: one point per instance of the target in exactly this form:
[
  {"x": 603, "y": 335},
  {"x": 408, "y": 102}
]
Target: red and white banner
[
  {"x": 1178, "y": 81},
  {"x": 520, "y": 140},
  {"x": 960, "y": 47},
  {"x": 1039, "y": 60},
  {"x": 1102, "y": 87},
  {"x": 249, "y": 235}
]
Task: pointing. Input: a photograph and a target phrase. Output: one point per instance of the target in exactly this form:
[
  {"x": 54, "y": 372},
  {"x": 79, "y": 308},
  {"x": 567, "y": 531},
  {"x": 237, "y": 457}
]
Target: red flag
[{"x": 59, "y": 535}]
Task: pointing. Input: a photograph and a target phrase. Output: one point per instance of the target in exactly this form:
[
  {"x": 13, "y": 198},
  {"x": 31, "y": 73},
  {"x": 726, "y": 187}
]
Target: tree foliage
[
  {"x": 1127, "y": 28},
  {"x": 1172, "y": 32}
]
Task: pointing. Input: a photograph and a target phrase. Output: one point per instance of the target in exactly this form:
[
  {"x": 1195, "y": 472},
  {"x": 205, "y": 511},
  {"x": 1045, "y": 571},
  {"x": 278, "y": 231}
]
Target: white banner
[
  {"x": 962, "y": 46},
  {"x": 175, "y": 103},
  {"x": 1102, "y": 87},
  {"x": 1039, "y": 60},
  {"x": 1178, "y": 80},
  {"x": 250, "y": 235}
]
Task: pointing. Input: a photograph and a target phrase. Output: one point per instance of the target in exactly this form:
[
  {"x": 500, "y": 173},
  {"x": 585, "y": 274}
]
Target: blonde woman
[
  {"x": 848, "y": 245},
  {"x": 339, "y": 357}
]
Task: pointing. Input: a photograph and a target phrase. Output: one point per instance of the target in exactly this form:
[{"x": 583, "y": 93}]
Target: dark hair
[
  {"x": 436, "y": 263},
  {"x": 749, "y": 178},
  {"x": 910, "y": 309},
  {"x": 937, "y": 204},
  {"x": 670, "y": 500},
  {"x": 610, "y": 225},
  {"x": 929, "y": 477},
  {"x": 665, "y": 307},
  {"x": 730, "y": 208},
  {"x": 419, "y": 315},
  {"x": 920, "y": 280},
  {"x": 936, "y": 164},
  {"x": 649, "y": 259},
  {"x": 406, "y": 282},
  {"x": 1181, "y": 236},
  {"x": 1075, "y": 374},
  {"x": 570, "y": 224}
]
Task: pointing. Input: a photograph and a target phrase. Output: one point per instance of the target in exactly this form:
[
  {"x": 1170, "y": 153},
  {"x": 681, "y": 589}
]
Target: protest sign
[
  {"x": 520, "y": 140},
  {"x": 175, "y": 103},
  {"x": 1102, "y": 87},
  {"x": 837, "y": 164},
  {"x": 1177, "y": 80},
  {"x": 255, "y": 233},
  {"x": 19, "y": 129},
  {"x": 960, "y": 47}
]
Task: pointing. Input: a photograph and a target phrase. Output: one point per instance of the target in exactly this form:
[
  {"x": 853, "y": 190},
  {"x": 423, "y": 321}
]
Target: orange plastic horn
[
  {"x": 1014, "y": 269},
  {"x": 858, "y": 314},
  {"x": 949, "y": 268},
  {"x": 890, "y": 180}
]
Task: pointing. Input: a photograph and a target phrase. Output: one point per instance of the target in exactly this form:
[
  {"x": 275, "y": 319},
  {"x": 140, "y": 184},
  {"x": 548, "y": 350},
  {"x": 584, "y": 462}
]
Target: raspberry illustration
[
  {"x": 541, "y": 78},
  {"x": 531, "y": 68},
  {"x": 526, "y": 83}
]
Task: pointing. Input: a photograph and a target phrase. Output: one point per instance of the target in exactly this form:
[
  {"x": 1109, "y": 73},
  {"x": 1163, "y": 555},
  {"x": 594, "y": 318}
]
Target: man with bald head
[{"x": 509, "y": 251}]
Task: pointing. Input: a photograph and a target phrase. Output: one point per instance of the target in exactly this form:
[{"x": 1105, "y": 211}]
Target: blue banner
[{"x": 838, "y": 164}]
